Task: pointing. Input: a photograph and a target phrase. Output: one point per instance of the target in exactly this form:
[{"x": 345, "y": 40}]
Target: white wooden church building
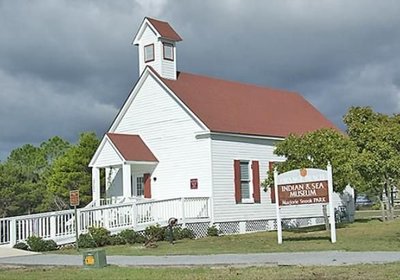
[
  {"x": 182, "y": 135},
  {"x": 186, "y": 146}
]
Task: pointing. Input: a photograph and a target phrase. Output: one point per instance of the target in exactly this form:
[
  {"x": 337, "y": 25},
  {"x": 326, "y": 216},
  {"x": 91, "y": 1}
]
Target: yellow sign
[{"x": 89, "y": 260}]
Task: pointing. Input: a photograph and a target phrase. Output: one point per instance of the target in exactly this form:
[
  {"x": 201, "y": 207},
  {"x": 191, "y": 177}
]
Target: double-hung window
[
  {"x": 245, "y": 181},
  {"x": 168, "y": 51},
  {"x": 139, "y": 186},
  {"x": 149, "y": 53}
]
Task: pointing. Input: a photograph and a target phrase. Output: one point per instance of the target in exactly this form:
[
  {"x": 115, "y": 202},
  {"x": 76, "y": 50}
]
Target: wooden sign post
[
  {"x": 74, "y": 201},
  {"x": 301, "y": 187}
]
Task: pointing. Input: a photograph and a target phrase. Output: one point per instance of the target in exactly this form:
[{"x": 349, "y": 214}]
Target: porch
[
  {"x": 127, "y": 163},
  {"x": 60, "y": 226}
]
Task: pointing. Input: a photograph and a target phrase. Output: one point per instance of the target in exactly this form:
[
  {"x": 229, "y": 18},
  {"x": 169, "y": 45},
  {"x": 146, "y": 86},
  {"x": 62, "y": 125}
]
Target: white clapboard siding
[
  {"x": 169, "y": 131},
  {"x": 149, "y": 37},
  {"x": 224, "y": 154},
  {"x": 168, "y": 67},
  {"x": 224, "y": 205},
  {"x": 108, "y": 156}
]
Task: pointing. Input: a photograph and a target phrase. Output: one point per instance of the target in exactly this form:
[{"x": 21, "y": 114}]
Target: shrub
[
  {"x": 212, "y": 231},
  {"x": 179, "y": 233},
  {"x": 21, "y": 246},
  {"x": 187, "y": 233},
  {"x": 376, "y": 206},
  {"x": 37, "y": 244},
  {"x": 117, "y": 240},
  {"x": 100, "y": 235},
  {"x": 176, "y": 232},
  {"x": 51, "y": 245},
  {"x": 86, "y": 241},
  {"x": 140, "y": 238},
  {"x": 154, "y": 232},
  {"x": 130, "y": 236}
]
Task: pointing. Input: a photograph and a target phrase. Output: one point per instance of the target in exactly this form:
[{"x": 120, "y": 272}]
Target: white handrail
[{"x": 59, "y": 225}]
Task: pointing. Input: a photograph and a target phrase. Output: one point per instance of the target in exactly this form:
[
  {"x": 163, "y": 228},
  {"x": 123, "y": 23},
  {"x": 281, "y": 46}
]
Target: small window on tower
[
  {"x": 168, "y": 51},
  {"x": 149, "y": 53}
]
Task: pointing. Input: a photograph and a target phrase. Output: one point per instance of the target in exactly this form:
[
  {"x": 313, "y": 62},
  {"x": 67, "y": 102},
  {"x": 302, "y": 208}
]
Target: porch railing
[{"x": 60, "y": 226}]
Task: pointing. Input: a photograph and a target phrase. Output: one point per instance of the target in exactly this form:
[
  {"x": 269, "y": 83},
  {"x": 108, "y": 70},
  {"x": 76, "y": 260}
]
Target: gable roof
[
  {"x": 131, "y": 147},
  {"x": 164, "y": 29},
  {"x": 233, "y": 107}
]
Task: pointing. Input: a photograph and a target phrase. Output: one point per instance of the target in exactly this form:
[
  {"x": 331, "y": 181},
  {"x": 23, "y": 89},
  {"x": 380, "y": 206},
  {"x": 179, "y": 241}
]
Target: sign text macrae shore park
[{"x": 303, "y": 193}]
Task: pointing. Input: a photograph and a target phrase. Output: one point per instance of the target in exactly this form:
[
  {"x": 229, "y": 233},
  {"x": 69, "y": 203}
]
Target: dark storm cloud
[
  {"x": 67, "y": 66},
  {"x": 336, "y": 53}
]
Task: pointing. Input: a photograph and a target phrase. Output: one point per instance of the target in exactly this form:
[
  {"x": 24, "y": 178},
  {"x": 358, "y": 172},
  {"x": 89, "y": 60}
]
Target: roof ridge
[
  {"x": 230, "y": 81},
  {"x": 155, "y": 19}
]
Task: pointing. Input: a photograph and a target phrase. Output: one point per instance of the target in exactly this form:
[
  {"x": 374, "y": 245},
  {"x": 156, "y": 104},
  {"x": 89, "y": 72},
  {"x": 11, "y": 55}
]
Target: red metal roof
[
  {"x": 165, "y": 30},
  {"x": 233, "y": 107},
  {"x": 131, "y": 147}
]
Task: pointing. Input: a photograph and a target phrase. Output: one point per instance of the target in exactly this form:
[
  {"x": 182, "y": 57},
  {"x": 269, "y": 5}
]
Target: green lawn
[
  {"x": 373, "y": 214},
  {"x": 364, "y": 272},
  {"x": 363, "y": 235}
]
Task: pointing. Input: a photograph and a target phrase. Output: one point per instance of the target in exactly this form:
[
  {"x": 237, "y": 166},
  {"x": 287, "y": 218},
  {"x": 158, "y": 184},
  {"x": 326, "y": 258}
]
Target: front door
[{"x": 137, "y": 186}]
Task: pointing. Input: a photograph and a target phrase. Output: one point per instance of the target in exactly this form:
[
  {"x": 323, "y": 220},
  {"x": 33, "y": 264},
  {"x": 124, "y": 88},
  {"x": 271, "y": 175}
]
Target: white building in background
[{"x": 185, "y": 135}]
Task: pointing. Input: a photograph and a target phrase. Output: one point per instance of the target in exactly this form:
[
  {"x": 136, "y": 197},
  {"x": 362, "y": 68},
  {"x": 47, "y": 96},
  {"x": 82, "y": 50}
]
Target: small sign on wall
[{"x": 194, "y": 184}]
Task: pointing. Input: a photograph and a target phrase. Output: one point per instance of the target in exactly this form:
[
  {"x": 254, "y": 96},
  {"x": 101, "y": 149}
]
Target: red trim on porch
[{"x": 147, "y": 185}]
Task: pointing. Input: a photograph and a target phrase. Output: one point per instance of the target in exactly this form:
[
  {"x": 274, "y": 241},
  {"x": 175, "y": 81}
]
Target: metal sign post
[
  {"x": 76, "y": 228},
  {"x": 74, "y": 201}
]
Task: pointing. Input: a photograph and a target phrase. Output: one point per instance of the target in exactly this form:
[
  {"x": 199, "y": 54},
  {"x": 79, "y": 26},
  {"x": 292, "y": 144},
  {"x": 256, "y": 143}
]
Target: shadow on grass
[
  {"x": 366, "y": 220},
  {"x": 307, "y": 238},
  {"x": 315, "y": 228},
  {"x": 306, "y": 229}
]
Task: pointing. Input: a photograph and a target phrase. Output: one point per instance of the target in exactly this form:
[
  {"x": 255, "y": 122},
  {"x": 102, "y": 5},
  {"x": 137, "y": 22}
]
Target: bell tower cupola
[{"x": 156, "y": 41}]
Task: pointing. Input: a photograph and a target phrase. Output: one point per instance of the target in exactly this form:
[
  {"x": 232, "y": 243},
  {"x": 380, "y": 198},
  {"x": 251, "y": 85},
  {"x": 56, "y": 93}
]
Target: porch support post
[
  {"x": 96, "y": 186},
  {"x": 126, "y": 180},
  {"x": 107, "y": 178}
]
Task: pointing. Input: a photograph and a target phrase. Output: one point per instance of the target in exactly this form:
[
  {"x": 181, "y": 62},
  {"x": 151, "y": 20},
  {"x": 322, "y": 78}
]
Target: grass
[
  {"x": 364, "y": 272},
  {"x": 372, "y": 214},
  {"x": 363, "y": 235}
]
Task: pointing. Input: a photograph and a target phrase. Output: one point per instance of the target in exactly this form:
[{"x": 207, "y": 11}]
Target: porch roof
[{"x": 131, "y": 147}]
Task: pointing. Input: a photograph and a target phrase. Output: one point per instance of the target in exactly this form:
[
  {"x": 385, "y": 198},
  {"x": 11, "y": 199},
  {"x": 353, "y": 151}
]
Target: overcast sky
[{"x": 67, "y": 66}]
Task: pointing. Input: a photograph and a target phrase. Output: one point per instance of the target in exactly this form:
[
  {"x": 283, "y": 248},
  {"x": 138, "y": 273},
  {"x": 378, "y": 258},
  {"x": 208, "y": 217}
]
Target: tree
[
  {"x": 315, "y": 150},
  {"x": 54, "y": 148},
  {"x": 71, "y": 172},
  {"x": 377, "y": 137},
  {"x": 21, "y": 188},
  {"x": 23, "y": 176}
]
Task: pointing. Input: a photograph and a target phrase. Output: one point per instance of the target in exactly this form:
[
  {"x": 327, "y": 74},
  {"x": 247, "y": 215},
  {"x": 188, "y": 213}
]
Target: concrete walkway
[
  {"x": 6, "y": 252},
  {"x": 268, "y": 259}
]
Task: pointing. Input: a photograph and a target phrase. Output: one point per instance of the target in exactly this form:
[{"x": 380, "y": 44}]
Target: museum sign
[{"x": 303, "y": 193}]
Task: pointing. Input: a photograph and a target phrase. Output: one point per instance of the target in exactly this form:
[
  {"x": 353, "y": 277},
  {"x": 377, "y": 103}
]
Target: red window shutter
[
  {"x": 256, "y": 181},
  {"x": 271, "y": 168},
  {"x": 147, "y": 185},
  {"x": 238, "y": 195},
  {"x": 272, "y": 194}
]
